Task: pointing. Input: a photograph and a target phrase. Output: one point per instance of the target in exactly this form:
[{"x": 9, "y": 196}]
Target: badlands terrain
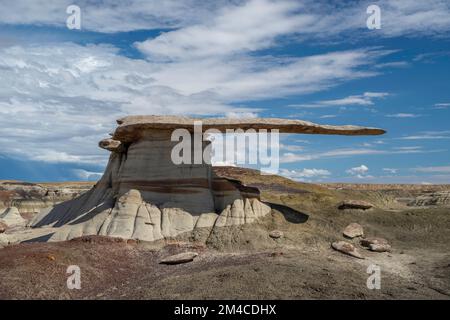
[{"x": 286, "y": 254}]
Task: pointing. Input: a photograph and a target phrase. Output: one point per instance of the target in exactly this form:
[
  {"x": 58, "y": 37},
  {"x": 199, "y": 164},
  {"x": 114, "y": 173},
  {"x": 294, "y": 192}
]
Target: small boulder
[
  {"x": 355, "y": 204},
  {"x": 179, "y": 258},
  {"x": 380, "y": 247},
  {"x": 3, "y": 227},
  {"x": 276, "y": 234},
  {"x": 353, "y": 230},
  {"x": 366, "y": 242},
  {"x": 347, "y": 248}
]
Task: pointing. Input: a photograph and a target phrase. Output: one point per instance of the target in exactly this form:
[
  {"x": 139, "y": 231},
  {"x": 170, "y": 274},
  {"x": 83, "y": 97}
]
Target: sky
[{"x": 62, "y": 89}]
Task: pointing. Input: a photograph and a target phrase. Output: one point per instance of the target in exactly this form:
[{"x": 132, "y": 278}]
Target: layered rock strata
[{"x": 144, "y": 195}]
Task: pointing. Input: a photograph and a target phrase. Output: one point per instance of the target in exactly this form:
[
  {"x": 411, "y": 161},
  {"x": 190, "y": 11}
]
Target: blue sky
[{"x": 62, "y": 89}]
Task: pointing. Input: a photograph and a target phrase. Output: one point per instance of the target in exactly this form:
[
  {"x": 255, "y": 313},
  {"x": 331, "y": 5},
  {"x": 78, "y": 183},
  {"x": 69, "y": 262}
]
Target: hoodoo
[{"x": 144, "y": 195}]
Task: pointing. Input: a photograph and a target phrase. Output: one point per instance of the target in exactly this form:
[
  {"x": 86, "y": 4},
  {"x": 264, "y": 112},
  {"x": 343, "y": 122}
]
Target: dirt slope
[{"x": 245, "y": 262}]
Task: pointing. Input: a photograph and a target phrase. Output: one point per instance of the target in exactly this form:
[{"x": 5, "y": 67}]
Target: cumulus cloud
[
  {"x": 362, "y": 169},
  {"x": 360, "y": 172}
]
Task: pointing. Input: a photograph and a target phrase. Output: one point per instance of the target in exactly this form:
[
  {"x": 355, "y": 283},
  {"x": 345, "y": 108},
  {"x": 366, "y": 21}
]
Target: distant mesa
[{"x": 144, "y": 195}]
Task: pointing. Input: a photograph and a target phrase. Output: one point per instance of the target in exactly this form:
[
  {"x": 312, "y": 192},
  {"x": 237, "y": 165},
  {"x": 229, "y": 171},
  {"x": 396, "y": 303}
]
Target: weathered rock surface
[
  {"x": 366, "y": 242},
  {"x": 144, "y": 195},
  {"x": 11, "y": 217},
  {"x": 355, "y": 204},
  {"x": 30, "y": 198},
  {"x": 380, "y": 247},
  {"x": 180, "y": 258},
  {"x": 347, "y": 248},
  {"x": 441, "y": 198},
  {"x": 111, "y": 145},
  {"x": 132, "y": 128},
  {"x": 353, "y": 230}
]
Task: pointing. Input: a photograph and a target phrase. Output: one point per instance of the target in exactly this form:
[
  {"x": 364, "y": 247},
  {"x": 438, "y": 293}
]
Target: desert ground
[{"x": 245, "y": 262}]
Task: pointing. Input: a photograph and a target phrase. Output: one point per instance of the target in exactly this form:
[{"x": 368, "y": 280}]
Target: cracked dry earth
[{"x": 244, "y": 262}]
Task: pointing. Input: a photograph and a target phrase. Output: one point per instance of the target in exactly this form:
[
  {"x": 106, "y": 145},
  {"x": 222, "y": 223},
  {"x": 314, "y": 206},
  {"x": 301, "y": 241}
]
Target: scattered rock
[
  {"x": 353, "y": 230},
  {"x": 366, "y": 242},
  {"x": 276, "y": 234},
  {"x": 179, "y": 258},
  {"x": 3, "y": 227},
  {"x": 355, "y": 204},
  {"x": 380, "y": 247},
  {"x": 347, "y": 248}
]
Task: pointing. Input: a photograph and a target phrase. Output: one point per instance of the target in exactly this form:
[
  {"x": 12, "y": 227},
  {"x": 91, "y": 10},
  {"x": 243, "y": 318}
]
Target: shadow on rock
[{"x": 291, "y": 215}]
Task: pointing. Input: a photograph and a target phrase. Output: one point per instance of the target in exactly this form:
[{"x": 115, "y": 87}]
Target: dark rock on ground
[{"x": 355, "y": 204}]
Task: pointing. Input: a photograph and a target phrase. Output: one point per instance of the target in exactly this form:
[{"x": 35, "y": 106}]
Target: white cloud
[
  {"x": 68, "y": 96},
  {"x": 429, "y": 57},
  {"x": 249, "y": 77},
  {"x": 111, "y": 15},
  {"x": 304, "y": 173},
  {"x": 441, "y": 169},
  {"x": 428, "y": 135},
  {"x": 403, "y": 115},
  {"x": 362, "y": 169},
  {"x": 290, "y": 157},
  {"x": 441, "y": 105},
  {"x": 328, "y": 116},
  {"x": 393, "y": 64},
  {"x": 390, "y": 170},
  {"x": 365, "y": 99},
  {"x": 411, "y": 148},
  {"x": 291, "y": 147},
  {"x": 313, "y": 19},
  {"x": 251, "y": 26},
  {"x": 360, "y": 172},
  {"x": 87, "y": 175}
]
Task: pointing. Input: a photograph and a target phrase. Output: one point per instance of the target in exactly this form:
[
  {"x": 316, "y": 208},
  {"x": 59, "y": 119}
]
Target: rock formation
[
  {"x": 440, "y": 198},
  {"x": 30, "y": 198},
  {"x": 144, "y": 195},
  {"x": 346, "y": 248},
  {"x": 353, "y": 230},
  {"x": 11, "y": 217},
  {"x": 180, "y": 258},
  {"x": 355, "y": 204}
]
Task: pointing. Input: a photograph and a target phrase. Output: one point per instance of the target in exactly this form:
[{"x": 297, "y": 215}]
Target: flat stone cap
[{"x": 131, "y": 128}]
